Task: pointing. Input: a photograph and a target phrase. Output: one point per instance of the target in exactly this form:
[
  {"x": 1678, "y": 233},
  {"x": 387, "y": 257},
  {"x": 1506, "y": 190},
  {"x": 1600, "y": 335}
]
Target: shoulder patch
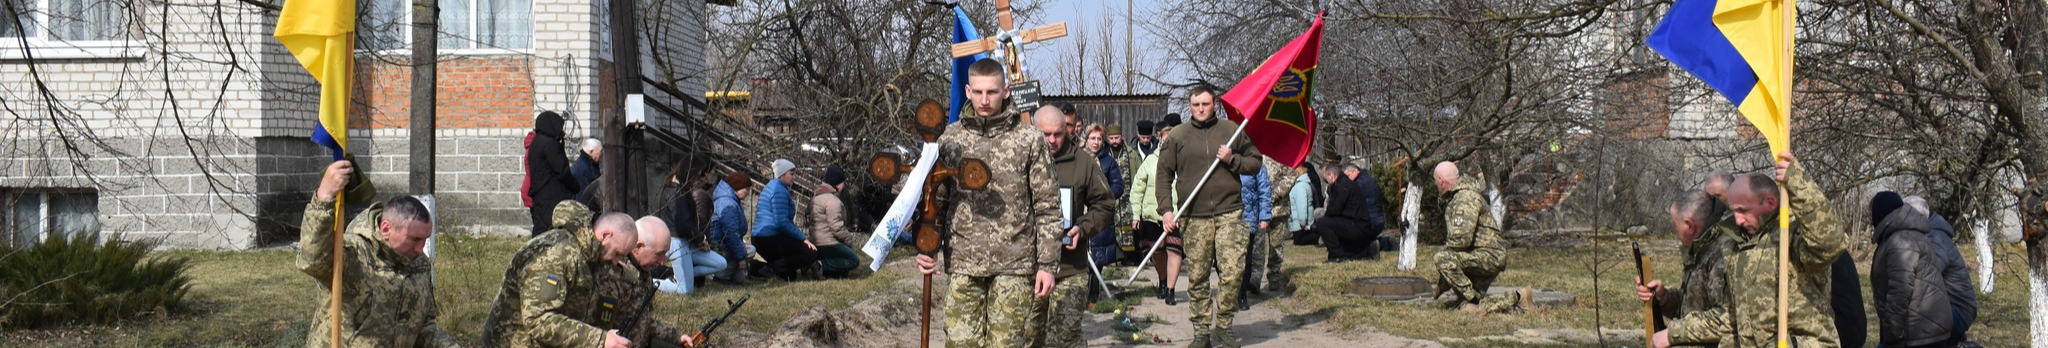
[{"x": 548, "y": 289}]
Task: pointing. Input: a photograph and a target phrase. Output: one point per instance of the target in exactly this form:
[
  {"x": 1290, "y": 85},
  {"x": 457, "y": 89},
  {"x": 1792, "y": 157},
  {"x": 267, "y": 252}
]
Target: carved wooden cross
[
  {"x": 1024, "y": 94},
  {"x": 968, "y": 173}
]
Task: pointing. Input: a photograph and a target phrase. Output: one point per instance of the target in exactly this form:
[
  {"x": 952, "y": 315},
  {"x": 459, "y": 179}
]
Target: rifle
[
  {"x": 1652, "y": 321},
  {"x": 698, "y": 339},
  {"x": 646, "y": 304}
]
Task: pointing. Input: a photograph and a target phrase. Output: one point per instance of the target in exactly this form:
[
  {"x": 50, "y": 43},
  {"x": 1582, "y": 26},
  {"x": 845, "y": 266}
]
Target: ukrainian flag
[
  {"x": 1741, "y": 48},
  {"x": 320, "y": 33}
]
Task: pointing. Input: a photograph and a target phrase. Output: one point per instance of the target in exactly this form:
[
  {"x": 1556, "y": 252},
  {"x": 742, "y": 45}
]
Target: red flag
[{"x": 1273, "y": 102}]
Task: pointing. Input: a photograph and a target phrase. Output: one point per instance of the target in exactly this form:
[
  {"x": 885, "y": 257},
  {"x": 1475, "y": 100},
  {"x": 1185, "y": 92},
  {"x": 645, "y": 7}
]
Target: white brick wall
[{"x": 247, "y": 106}]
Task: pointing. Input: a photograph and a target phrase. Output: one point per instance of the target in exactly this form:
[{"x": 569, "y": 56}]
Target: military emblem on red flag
[{"x": 1274, "y": 102}]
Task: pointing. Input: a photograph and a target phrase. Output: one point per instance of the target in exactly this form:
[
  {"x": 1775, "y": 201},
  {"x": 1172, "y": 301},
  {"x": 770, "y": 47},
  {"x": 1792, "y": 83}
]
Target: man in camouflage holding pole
[
  {"x": 1696, "y": 216},
  {"x": 1818, "y": 239},
  {"x": 1003, "y": 246},
  {"x": 389, "y": 296},
  {"x": 1202, "y": 165}
]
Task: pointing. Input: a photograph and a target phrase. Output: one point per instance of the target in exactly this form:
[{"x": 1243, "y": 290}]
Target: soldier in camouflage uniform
[
  {"x": 1216, "y": 235},
  {"x": 633, "y": 289},
  {"x": 1263, "y": 265},
  {"x": 1057, "y": 318},
  {"x": 1473, "y": 254},
  {"x": 1752, "y": 261},
  {"x": 549, "y": 297},
  {"x": 387, "y": 286},
  {"x": 1003, "y": 246},
  {"x": 1697, "y": 218}
]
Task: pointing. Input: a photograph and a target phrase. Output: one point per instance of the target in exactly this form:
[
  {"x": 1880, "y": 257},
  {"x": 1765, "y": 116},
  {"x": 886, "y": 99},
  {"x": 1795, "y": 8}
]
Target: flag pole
[
  {"x": 1184, "y": 203},
  {"x": 334, "y": 288},
  {"x": 1787, "y": 25}
]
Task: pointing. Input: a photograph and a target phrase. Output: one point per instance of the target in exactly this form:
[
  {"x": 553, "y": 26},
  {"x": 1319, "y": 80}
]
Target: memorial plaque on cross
[{"x": 1003, "y": 46}]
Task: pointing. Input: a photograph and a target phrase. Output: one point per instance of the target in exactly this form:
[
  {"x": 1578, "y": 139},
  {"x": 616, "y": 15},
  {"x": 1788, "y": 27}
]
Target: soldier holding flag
[
  {"x": 390, "y": 293},
  {"x": 1216, "y": 237}
]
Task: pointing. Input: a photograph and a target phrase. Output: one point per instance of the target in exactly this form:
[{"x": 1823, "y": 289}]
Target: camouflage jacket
[
  {"x": 1093, "y": 203},
  {"x": 1468, "y": 226},
  {"x": 1704, "y": 295},
  {"x": 387, "y": 301},
  {"x": 627, "y": 294},
  {"x": 549, "y": 295},
  {"x": 1283, "y": 182},
  {"x": 1013, "y": 226},
  {"x": 1752, "y": 262}
]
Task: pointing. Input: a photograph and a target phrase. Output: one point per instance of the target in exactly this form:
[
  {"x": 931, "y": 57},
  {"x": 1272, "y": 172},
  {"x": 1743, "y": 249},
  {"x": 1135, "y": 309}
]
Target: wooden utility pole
[
  {"x": 616, "y": 166},
  {"x": 425, "y": 25},
  {"x": 1130, "y": 17}
]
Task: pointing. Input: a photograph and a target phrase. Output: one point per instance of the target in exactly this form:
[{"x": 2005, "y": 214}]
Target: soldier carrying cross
[{"x": 1004, "y": 243}]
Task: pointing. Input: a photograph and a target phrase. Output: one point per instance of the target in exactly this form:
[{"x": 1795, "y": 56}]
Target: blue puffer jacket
[
  {"x": 775, "y": 213},
  {"x": 728, "y": 223},
  {"x": 1257, "y": 194}
]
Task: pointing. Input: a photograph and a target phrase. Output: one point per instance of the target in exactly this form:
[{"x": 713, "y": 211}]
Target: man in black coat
[
  {"x": 1962, "y": 292},
  {"x": 1374, "y": 199},
  {"x": 548, "y": 169},
  {"x": 1913, "y": 308},
  {"x": 1345, "y": 225}
]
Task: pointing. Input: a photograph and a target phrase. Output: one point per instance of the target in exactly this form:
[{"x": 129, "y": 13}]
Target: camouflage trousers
[
  {"x": 1056, "y": 320},
  {"x": 1218, "y": 243},
  {"x": 988, "y": 311},
  {"x": 1469, "y": 274},
  {"x": 1262, "y": 265}
]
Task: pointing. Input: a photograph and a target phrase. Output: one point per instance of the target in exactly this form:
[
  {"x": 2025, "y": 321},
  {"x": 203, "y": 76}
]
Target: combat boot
[
  {"x": 1528, "y": 300},
  {"x": 1224, "y": 339},
  {"x": 1201, "y": 340},
  {"x": 1447, "y": 300}
]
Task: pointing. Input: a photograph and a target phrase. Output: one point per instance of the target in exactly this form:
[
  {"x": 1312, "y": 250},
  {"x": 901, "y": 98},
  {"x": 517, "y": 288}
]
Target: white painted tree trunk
[
  {"x": 1411, "y": 214},
  {"x": 1496, "y": 206},
  {"x": 1984, "y": 276},
  {"x": 2037, "y": 294}
]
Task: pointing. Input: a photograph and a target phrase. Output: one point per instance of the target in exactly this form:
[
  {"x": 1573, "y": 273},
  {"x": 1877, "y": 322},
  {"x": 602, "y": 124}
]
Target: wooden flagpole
[
  {"x": 334, "y": 287},
  {"x": 1184, "y": 202},
  {"x": 1787, "y": 25}
]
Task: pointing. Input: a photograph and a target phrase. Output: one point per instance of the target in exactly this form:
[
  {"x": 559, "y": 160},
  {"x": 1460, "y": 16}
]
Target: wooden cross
[
  {"x": 1024, "y": 94},
  {"x": 952, "y": 171}
]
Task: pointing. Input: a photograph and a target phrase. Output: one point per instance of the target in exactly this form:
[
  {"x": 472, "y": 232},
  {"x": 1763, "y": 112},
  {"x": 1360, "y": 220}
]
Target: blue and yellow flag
[
  {"x": 320, "y": 34},
  {"x": 1741, "y": 48}
]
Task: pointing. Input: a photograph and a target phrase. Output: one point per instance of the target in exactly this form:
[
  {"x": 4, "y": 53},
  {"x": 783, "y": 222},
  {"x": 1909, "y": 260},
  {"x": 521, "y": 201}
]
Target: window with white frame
[
  {"x": 465, "y": 24},
  {"x": 33, "y": 215},
  {"x": 66, "y": 20}
]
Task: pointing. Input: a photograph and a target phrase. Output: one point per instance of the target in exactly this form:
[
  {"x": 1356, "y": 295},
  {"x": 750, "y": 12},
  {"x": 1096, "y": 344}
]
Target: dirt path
[
  {"x": 1264, "y": 325},
  {"x": 883, "y": 320}
]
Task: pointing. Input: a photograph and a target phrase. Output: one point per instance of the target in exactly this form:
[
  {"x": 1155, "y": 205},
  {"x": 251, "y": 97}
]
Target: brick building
[{"x": 185, "y": 121}]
